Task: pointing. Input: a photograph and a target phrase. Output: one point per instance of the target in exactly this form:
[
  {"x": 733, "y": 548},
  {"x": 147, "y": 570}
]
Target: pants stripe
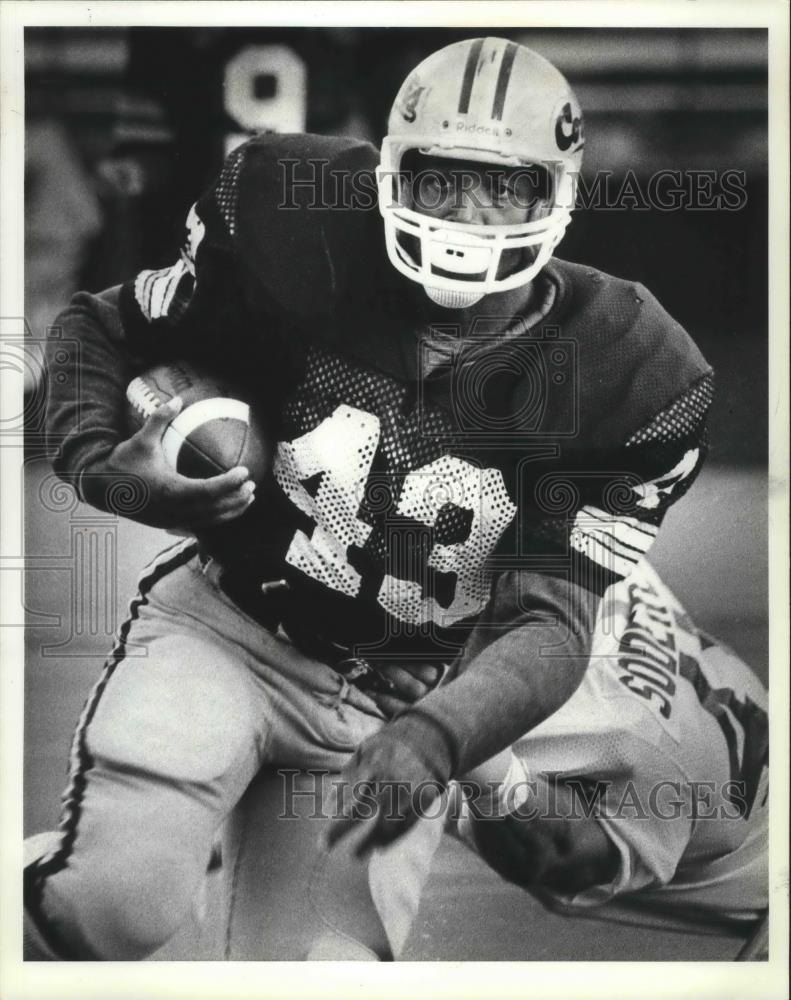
[{"x": 81, "y": 761}]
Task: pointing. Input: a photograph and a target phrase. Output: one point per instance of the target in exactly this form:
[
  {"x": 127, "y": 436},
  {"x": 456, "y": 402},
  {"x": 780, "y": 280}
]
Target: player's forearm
[
  {"x": 520, "y": 667},
  {"x": 86, "y": 398},
  {"x": 510, "y": 689}
]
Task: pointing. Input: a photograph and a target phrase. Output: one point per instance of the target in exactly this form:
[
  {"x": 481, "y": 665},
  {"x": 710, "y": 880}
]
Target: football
[{"x": 217, "y": 428}]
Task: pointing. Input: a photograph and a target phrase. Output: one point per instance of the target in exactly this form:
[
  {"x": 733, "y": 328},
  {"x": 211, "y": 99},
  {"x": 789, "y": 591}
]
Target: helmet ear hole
[
  {"x": 408, "y": 170},
  {"x": 421, "y": 179}
]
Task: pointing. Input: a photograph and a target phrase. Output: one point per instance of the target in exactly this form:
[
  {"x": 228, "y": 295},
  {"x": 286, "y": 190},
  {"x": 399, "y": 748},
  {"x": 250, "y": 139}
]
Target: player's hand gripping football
[{"x": 167, "y": 499}]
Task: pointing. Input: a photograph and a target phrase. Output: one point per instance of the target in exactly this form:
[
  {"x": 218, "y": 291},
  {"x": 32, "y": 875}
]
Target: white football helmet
[{"x": 495, "y": 102}]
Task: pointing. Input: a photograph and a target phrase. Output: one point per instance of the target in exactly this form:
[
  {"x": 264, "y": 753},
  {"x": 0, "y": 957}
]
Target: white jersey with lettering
[{"x": 669, "y": 731}]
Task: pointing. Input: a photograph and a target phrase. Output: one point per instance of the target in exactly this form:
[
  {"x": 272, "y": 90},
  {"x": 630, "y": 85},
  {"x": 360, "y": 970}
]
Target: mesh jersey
[
  {"x": 396, "y": 496},
  {"x": 674, "y": 726}
]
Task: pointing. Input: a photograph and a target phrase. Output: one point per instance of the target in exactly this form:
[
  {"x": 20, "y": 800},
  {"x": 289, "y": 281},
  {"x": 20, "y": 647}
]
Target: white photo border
[{"x": 457, "y": 980}]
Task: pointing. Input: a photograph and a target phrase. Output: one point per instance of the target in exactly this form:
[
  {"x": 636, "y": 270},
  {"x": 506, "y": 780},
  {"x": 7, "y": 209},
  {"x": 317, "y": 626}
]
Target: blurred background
[{"x": 125, "y": 127}]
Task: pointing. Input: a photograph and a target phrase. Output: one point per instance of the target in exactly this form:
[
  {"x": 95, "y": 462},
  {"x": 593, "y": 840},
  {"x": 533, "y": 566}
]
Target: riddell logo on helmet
[{"x": 475, "y": 129}]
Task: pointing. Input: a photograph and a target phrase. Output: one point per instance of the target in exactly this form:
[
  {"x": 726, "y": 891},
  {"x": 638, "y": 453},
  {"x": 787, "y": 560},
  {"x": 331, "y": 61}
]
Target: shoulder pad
[
  {"x": 630, "y": 351},
  {"x": 303, "y": 212}
]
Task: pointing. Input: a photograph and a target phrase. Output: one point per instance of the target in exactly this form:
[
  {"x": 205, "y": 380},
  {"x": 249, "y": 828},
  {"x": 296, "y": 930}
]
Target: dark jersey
[{"x": 538, "y": 462}]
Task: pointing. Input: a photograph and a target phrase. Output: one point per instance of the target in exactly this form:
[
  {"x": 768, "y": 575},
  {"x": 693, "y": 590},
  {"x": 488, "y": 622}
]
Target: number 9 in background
[{"x": 265, "y": 90}]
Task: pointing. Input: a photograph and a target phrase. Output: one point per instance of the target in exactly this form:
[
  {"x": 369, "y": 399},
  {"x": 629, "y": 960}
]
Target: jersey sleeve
[
  {"x": 88, "y": 367},
  {"x": 270, "y": 243},
  {"x": 668, "y": 451},
  {"x": 596, "y": 516},
  {"x": 632, "y": 411},
  {"x": 620, "y": 521}
]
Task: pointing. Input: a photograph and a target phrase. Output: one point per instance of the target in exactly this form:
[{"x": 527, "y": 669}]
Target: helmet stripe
[
  {"x": 469, "y": 76},
  {"x": 503, "y": 78}
]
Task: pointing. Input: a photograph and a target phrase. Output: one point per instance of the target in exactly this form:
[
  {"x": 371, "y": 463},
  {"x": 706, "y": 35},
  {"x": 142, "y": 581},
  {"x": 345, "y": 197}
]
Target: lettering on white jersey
[
  {"x": 655, "y": 665},
  {"x": 648, "y": 651}
]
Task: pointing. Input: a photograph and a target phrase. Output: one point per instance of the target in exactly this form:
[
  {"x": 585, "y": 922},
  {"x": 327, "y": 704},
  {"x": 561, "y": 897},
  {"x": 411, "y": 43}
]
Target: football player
[
  {"x": 652, "y": 777},
  {"x": 471, "y": 436}
]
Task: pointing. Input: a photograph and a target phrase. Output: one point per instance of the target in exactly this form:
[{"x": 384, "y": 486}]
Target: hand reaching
[{"x": 383, "y": 791}]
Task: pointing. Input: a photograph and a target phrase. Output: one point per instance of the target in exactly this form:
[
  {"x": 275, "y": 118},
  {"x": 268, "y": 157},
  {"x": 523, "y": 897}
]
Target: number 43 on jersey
[{"x": 338, "y": 455}]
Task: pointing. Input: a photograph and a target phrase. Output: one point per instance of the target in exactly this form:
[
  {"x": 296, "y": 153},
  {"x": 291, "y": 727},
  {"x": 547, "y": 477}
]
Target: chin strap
[{"x": 452, "y": 299}]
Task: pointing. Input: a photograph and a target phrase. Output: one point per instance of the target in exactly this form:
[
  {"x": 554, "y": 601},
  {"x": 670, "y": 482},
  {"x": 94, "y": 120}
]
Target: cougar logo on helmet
[{"x": 564, "y": 139}]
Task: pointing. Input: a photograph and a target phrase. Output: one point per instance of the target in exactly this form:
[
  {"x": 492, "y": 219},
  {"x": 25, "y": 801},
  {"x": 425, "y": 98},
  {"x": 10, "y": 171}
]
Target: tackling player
[
  {"x": 472, "y": 437},
  {"x": 651, "y": 779}
]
